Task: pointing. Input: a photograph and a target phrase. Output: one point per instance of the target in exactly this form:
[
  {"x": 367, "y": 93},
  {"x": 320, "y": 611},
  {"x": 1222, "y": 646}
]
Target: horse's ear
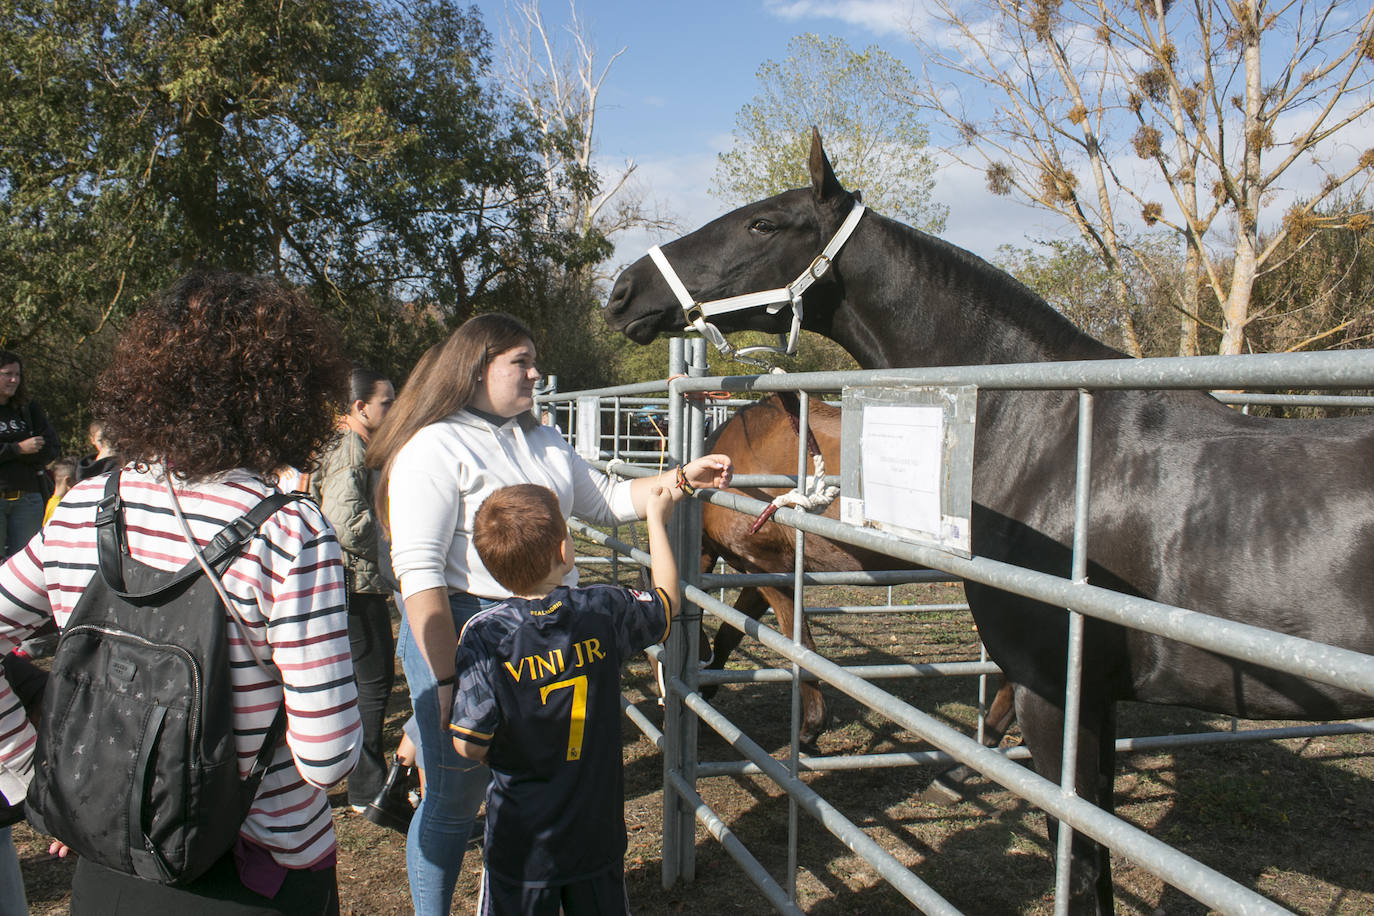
[{"x": 823, "y": 180}]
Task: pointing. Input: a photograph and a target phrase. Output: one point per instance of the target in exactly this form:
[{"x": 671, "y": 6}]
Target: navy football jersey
[{"x": 538, "y": 683}]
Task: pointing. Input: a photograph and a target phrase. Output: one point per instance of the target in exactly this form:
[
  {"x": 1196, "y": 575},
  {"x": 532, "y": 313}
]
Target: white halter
[{"x": 696, "y": 313}]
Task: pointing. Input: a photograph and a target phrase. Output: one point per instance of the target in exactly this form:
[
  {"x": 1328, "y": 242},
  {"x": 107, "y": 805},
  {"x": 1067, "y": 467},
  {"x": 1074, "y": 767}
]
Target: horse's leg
[
  {"x": 1106, "y": 799},
  {"x": 947, "y": 788},
  {"x": 1042, "y": 727},
  {"x": 815, "y": 715},
  {"x": 750, "y": 603}
]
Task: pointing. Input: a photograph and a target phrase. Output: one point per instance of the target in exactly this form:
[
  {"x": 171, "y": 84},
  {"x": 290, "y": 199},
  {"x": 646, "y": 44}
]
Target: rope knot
[{"x": 811, "y": 495}]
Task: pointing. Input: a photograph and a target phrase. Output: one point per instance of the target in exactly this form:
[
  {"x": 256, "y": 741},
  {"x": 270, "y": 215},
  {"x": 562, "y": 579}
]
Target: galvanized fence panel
[{"x": 684, "y": 706}]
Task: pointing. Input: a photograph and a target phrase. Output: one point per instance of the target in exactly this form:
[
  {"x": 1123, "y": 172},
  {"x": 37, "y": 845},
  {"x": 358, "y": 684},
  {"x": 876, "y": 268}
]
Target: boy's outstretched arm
[{"x": 662, "y": 566}]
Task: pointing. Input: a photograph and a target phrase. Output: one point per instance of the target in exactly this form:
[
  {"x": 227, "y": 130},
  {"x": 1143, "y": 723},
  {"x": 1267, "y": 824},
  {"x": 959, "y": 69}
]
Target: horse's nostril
[{"x": 615, "y": 304}]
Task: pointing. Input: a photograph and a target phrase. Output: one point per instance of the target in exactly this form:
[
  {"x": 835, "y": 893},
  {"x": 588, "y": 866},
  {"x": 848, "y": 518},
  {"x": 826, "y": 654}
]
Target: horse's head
[{"x": 773, "y": 246}]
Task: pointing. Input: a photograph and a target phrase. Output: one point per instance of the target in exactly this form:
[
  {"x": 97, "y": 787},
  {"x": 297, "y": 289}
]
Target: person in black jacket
[{"x": 27, "y": 443}]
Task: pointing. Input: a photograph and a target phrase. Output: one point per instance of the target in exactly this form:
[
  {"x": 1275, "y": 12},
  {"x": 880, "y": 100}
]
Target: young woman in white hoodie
[{"x": 460, "y": 429}]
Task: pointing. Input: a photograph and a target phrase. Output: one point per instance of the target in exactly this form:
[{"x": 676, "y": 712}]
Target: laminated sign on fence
[{"x": 907, "y": 462}]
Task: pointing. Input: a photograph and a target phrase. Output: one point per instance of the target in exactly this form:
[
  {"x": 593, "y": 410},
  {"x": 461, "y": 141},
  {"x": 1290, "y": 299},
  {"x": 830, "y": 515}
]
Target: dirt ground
[{"x": 1292, "y": 819}]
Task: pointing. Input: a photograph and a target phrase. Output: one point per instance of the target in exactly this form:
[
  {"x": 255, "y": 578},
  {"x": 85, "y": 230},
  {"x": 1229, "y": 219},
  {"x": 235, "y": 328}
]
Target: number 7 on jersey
[{"x": 579, "y": 710}]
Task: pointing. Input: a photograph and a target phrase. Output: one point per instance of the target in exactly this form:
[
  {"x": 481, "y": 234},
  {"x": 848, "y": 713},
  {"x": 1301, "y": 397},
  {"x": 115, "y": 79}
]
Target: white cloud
[
  {"x": 980, "y": 221},
  {"x": 678, "y": 184},
  {"x": 1333, "y": 157},
  {"x": 882, "y": 17}
]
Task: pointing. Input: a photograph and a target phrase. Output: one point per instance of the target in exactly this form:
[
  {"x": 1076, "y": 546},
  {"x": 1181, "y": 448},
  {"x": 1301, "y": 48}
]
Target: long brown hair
[{"x": 443, "y": 382}]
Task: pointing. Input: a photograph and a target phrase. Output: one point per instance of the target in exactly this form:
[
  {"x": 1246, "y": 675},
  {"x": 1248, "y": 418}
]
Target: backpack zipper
[{"x": 191, "y": 660}]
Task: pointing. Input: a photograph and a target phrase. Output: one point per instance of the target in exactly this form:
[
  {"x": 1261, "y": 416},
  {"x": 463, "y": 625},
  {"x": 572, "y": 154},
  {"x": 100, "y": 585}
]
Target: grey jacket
[{"x": 342, "y": 487}]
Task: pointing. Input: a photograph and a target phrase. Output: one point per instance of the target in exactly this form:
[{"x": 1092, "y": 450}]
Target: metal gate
[{"x": 685, "y": 708}]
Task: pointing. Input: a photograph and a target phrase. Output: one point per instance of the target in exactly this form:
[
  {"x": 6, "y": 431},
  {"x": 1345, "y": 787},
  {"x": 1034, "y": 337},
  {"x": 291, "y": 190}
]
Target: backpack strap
[
  {"x": 112, "y": 545},
  {"x": 226, "y": 544},
  {"x": 275, "y": 731},
  {"x": 240, "y": 531}
]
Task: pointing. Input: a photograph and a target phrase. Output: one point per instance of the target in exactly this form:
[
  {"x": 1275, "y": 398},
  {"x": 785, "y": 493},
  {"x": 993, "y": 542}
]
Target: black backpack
[{"x": 135, "y": 766}]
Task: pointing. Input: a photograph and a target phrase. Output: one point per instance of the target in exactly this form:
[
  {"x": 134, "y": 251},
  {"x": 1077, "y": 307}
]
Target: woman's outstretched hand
[{"x": 709, "y": 471}]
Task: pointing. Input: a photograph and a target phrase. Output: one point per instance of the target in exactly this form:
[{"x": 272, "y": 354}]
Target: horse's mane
[{"x": 989, "y": 298}]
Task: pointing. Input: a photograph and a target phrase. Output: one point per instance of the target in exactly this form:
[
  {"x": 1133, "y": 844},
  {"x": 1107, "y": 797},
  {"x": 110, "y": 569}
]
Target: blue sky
[{"x": 670, "y": 100}]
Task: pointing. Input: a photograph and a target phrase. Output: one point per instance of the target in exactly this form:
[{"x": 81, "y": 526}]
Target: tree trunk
[
  {"x": 1187, "y": 323},
  {"x": 1236, "y": 309}
]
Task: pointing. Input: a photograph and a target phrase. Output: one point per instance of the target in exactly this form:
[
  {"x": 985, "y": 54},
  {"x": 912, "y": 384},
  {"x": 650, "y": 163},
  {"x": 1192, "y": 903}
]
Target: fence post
[
  {"x": 1073, "y": 674},
  {"x": 680, "y": 651},
  {"x": 587, "y": 431}
]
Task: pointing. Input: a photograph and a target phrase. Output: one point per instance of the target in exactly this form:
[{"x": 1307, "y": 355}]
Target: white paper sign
[{"x": 902, "y": 448}]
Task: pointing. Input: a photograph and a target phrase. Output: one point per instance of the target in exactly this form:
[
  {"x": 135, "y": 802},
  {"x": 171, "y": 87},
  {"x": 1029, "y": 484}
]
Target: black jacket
[
  {"x": 90, "y": 466},
  {"x": 17, "y": 423}
]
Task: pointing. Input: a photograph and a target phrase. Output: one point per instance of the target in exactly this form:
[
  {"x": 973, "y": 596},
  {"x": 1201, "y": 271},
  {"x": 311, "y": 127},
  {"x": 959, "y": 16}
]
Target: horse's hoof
[
  {"x": 941, "y": 793},
  {"x": 810, "y": 740}
]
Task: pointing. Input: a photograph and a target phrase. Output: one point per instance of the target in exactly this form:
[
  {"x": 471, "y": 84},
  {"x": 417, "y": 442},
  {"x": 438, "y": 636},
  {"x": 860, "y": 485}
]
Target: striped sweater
[{"x": 287, "y": 586}]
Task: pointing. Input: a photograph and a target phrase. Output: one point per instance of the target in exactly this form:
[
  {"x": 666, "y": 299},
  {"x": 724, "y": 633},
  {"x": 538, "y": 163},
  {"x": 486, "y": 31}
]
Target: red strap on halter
[
  {"x": 763, "y": 518},
  {"x": 791, "y": 405}
]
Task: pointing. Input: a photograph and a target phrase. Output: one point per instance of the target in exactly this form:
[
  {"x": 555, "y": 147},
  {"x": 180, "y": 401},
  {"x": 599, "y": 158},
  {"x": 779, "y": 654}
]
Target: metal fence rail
[{"x": 684, "y": 707}]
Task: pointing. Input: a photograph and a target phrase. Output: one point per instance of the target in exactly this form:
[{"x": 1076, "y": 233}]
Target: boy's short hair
[
  {"x": 517, "y": 532},
  {"x": 64, "y": 469}
]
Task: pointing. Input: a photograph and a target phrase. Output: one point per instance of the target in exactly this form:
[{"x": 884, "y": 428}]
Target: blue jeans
[
  {"x": 20, "y": 520},
  {"x": 12, "y": 901},
  {"x": 454, "y": 788}
]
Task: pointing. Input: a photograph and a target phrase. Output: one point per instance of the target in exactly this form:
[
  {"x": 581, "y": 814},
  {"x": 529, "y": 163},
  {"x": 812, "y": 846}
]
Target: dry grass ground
[{"x": 1292, "y": 819}]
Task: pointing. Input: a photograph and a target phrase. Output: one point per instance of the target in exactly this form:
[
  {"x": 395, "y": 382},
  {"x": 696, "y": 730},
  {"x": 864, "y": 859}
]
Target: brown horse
[{"x": 762, "y": 439}]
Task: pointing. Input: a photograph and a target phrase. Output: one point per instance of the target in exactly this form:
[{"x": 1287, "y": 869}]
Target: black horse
[{"x": 1269, "y": 522}]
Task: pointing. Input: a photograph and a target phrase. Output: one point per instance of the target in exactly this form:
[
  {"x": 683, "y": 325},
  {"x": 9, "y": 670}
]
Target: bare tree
[
  {"x": 1186, "y": 115},
  {"x": 559, "y": 83}
]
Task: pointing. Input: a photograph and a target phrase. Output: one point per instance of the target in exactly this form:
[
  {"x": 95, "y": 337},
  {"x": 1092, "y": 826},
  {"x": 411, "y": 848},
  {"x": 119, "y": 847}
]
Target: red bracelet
[{"x": 682, "y": 483}]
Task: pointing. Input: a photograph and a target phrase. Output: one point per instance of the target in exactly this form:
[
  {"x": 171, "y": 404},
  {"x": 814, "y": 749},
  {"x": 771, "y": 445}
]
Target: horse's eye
[{"x": 762, "y": 225}]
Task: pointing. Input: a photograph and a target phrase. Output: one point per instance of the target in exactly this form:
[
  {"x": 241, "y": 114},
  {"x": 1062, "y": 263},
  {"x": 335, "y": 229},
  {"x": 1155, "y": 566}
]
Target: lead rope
[
  {"x": 815, "y": 495},
  {"x": 215, "y": 579},
  {"x": 810, "y": 494}
]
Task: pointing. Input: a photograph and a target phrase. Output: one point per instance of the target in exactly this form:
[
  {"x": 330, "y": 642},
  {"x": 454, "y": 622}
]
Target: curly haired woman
[{"x": 216, "y": 382}]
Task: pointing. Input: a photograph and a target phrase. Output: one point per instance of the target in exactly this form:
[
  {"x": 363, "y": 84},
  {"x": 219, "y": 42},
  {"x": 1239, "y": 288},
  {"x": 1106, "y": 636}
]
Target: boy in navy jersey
[{"x": 538, "y": 699}]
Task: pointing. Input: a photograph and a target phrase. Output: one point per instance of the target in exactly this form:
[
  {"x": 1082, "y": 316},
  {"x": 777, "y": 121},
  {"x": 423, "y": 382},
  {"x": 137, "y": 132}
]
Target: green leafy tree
[
  {"x": 1317, "y": 296},
  {"x": 858, "y": 101},
  {"x": 355, "y": 147},
  {"x": 1070, "y": 276}
]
